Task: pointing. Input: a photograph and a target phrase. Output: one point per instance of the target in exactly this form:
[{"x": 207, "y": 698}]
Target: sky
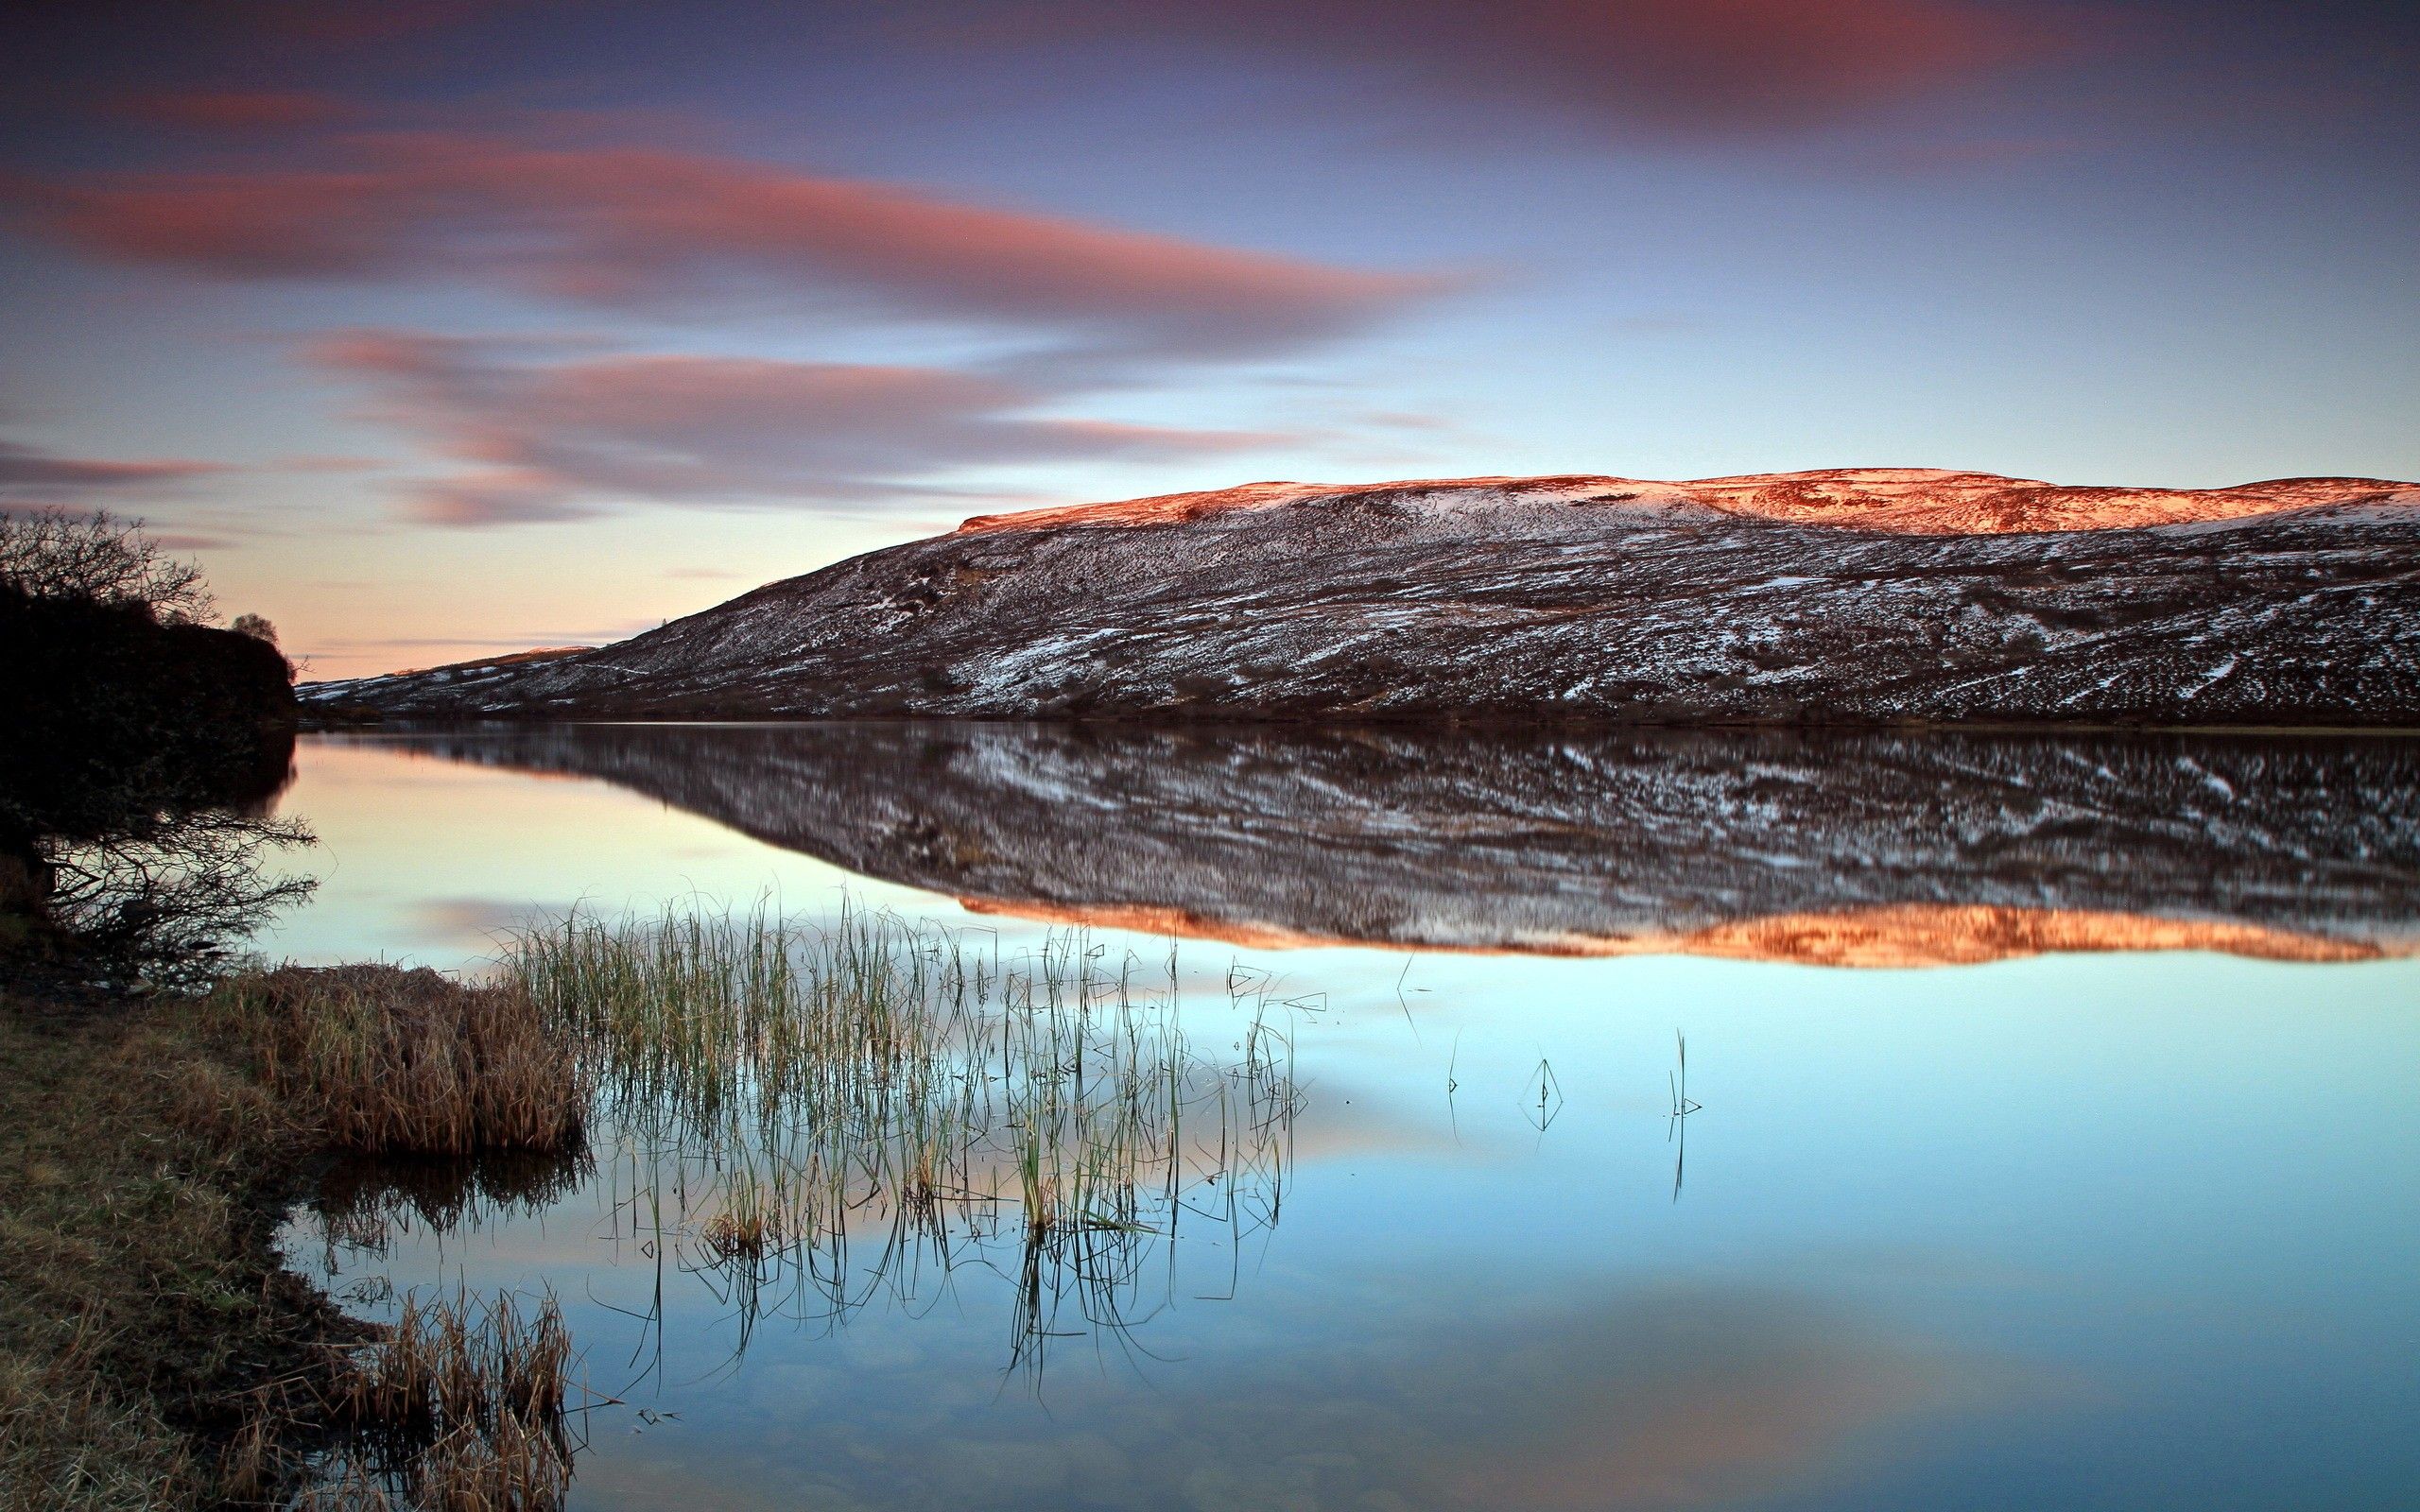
[{"x": 437, "y": 328}]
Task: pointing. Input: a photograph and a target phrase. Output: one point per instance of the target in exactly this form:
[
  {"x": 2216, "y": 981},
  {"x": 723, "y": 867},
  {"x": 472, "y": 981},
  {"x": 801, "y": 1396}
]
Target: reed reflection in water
[{"x": 810, "y": 1117}]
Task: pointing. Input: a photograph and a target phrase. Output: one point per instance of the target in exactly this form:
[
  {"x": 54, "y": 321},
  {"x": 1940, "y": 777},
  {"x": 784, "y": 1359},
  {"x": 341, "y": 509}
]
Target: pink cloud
[
  {"x": 25, "y": 472},
  {"x": 504, "y": 496},
  {"x": 625, "y": 225},
  {"x": 561, "y": 439},
  {"x": 322, "y": 463}
]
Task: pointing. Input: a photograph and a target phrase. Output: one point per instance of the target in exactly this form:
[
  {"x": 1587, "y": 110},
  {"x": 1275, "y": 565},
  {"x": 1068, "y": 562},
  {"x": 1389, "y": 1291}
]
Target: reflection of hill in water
[{"x": 1852, "y": 848}]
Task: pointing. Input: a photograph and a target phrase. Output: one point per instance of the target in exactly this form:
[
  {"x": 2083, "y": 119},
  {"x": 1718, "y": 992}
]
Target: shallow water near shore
[{"x": 2053, "y": 1140}]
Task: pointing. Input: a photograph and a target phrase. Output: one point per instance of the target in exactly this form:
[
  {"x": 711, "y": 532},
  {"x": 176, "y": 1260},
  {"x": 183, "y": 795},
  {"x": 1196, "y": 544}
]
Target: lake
[{"x": 2047, "y": 1138}]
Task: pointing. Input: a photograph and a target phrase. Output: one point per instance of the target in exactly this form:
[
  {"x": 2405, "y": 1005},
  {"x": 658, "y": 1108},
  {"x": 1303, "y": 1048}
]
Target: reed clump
[
  {"x": 791, "y": 1084},
  {"x": 381, "y": 1060},
  {"x": 459, "y": 1408},
  {"x": 748, "y": 1228}
]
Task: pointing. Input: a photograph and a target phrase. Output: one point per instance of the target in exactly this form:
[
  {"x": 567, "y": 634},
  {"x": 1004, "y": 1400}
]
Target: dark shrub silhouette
[{"x": 141, "y": 747}]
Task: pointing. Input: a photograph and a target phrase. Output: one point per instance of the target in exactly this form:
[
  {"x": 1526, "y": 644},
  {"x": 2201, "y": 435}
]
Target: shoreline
[
  {"x": 311, "y": 724},
  {"x": 155, "y": 1347}
]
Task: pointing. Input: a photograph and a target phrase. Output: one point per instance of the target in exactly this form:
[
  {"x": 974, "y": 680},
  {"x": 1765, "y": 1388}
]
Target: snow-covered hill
[
  {"x": 1849, "y": 596},
  {"x": 1910, "y": 500}
]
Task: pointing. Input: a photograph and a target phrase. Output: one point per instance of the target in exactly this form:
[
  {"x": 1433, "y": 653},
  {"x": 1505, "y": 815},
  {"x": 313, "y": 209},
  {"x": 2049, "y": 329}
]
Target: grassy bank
[
  {"x": 154, "y": 1352},
  {"x": 146, "y": 1329}
]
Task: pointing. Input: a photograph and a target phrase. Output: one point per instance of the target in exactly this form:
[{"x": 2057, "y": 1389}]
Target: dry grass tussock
[
  {"x": 389, "y": 1061},
  {"x": 457, "y": 1408}
]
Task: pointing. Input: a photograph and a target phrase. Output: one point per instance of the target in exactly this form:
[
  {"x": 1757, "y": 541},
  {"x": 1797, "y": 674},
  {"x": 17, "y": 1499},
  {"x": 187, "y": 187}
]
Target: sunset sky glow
[{"x": 443, "y": 327}]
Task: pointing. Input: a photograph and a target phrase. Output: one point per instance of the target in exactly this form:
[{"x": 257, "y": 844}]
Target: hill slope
[{"x": 1859, "y": 596}]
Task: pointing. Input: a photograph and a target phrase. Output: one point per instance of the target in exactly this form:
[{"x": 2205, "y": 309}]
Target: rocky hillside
[
  {"x": 1863, "y": 596},
  {"x": 1868, "y": 848}
]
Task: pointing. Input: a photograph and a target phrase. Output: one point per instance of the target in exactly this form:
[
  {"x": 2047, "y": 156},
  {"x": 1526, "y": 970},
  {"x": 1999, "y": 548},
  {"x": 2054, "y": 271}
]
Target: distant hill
[{"x": 1855, "y": 597}]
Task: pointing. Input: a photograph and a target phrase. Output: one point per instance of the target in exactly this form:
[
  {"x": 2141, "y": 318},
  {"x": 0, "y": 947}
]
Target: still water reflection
[
  {"x": 1849, "y": 848},
  {"x": 2122, "y": 1213}
]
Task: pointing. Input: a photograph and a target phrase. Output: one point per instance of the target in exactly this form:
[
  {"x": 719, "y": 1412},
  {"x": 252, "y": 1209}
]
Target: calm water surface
[{"x": 2057, "y": 1147}]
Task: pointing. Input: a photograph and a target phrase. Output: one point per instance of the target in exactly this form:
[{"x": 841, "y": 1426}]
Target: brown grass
[
  {"x": 461, "y": 1405},
  {"x": 154, "y": 1352},
  {"x": 746, "y": 1229},
  {"x": 141, "y": 1300},
  {"x": 389, "y": 1061},
  {"x": 514, "y": 1468}
]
